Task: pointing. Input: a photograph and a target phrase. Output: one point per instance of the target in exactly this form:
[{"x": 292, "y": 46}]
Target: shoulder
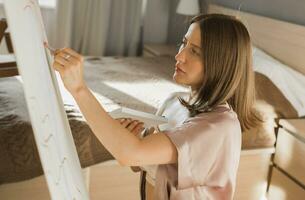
[{"x": 221, "y": 121}]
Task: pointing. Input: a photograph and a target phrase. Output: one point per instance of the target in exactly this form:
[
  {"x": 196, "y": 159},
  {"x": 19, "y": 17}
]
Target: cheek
[
  {"x": 196, "y": 73},
  {"x": 193, "y": 75}
]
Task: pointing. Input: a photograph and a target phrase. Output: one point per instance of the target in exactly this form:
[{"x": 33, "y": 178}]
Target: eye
[{"x": 194, "y": 51}]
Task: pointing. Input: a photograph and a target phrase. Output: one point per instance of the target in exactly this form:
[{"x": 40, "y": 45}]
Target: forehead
[{"x": 193, "y": 34}]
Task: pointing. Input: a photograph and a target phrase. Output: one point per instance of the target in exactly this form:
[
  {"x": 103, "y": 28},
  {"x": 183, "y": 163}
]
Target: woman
[{"x": 197, "y": 159}]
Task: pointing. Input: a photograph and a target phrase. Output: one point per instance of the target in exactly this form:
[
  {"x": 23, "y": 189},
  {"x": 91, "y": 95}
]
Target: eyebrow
[{"x": 192, "y": 43}]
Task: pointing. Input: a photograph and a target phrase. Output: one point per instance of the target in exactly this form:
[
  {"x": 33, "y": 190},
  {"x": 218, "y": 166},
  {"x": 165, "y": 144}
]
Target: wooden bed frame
[{"x": 284, "y": 41}]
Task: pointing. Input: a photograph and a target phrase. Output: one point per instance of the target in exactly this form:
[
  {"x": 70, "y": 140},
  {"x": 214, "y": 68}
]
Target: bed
[
  {"x": 137, "y": 83},
  {"x": 143, "y": 83}
]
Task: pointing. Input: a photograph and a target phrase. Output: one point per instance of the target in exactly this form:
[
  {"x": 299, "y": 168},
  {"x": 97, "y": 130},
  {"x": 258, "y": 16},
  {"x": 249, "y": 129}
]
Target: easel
[
  {"x": 8, "y": 66},
  {"x": 51, "y": 129}
]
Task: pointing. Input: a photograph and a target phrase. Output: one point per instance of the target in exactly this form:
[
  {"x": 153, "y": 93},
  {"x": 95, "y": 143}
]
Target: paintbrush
[{"x": 52, "y": 50}]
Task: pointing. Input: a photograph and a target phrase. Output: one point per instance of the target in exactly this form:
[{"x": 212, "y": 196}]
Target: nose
[{"x": 180, "y": 56}]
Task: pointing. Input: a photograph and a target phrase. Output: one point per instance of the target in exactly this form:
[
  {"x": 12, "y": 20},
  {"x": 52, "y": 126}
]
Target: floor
[{"x": 105, "y": 180}]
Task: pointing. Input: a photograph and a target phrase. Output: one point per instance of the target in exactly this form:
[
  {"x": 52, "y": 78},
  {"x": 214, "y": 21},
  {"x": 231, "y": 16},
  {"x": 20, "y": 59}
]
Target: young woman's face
[{"x": 189, "y": 65}]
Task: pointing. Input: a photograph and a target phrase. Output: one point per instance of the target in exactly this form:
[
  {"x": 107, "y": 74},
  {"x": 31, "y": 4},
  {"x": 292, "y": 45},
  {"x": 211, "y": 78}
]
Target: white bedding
[{"x": 290, "y": 82}]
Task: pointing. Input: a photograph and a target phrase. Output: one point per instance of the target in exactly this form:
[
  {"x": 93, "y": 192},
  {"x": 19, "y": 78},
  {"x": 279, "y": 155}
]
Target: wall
[
  {"x": 287, "y": 10},
  {"x": 156, "y": 21}
]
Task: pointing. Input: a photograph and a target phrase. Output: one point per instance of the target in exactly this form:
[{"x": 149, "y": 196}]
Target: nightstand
[
  {"x": 288, "y": 171},
  {"x": 159, "y": 50}
]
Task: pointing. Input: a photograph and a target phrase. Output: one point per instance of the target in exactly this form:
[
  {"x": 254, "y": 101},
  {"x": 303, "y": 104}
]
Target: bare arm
[{"x": 127, "y": 148}]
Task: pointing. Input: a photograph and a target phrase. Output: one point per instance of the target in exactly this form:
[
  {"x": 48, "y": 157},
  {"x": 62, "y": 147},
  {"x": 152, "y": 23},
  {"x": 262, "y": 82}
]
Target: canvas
[{"x": 51, "y": 129}]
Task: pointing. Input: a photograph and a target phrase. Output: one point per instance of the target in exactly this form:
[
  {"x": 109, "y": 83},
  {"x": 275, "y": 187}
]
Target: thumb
[{"x": 58, "y": 67}]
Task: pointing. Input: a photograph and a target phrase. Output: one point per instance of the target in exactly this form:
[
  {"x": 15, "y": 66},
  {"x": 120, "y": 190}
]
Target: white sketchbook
[
  {"x": 150, "y": 120},
  {"x": 52, "y": 132}
]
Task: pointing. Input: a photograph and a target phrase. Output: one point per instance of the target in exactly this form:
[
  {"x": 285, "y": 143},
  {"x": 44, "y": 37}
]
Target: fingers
[
  {"x": 58, "y": 67},
  {"x": 57, "y": 51},
  {"x": 120, "y": 119},
  {"x": 68, "y": 51},
  {"x": 133, "y": 126},
  {"x": 61, "y": 61},
  {"x": 126, "y": 122},
  {"x": 73, "y": 53},
  {"x": 138, "y": 129},
  {"x": 63, "y": 55}
]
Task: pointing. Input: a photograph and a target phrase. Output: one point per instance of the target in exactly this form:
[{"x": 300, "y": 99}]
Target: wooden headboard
[{"x": 284, "y": 41}]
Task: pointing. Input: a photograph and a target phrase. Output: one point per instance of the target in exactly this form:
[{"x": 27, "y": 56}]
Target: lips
[{"x": 179, "y": 69}]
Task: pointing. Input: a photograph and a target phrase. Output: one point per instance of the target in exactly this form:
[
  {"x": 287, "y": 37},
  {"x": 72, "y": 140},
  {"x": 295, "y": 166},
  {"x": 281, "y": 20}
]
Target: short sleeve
[{"x": 198, "y": 142}]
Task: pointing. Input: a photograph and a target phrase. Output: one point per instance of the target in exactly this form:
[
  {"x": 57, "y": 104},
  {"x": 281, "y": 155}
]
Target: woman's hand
[
  {"x": 69, "y": 64},
  {"x": 134, "y": 126}
]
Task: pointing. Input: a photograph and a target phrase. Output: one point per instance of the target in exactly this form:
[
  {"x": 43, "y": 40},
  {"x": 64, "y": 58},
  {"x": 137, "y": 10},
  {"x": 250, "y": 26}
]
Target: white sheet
[{"x": 290, "y": 82}]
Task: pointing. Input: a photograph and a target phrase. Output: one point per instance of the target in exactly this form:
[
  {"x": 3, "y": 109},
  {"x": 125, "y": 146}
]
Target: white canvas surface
[{"x": 51, "y": 129}]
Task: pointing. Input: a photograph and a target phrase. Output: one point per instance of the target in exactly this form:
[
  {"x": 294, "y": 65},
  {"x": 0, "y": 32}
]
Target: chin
[{"x": 178, "y": 79}]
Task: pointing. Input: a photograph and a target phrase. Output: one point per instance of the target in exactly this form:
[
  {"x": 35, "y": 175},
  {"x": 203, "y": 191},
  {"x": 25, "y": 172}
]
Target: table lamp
[{"x": 188, "y": 7}]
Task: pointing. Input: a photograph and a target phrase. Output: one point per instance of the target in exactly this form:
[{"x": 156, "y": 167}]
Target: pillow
[
  {"x": 279, "y": 85},
  {"x": 267, "y": 92}
]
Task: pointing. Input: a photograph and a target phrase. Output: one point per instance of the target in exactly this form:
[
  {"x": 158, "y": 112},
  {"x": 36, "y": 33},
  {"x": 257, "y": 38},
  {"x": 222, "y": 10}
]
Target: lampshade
[{"x": 188, "y": 7}]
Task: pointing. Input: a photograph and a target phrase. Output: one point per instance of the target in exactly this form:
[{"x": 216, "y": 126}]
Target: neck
[{"x": 193, "y": 93}]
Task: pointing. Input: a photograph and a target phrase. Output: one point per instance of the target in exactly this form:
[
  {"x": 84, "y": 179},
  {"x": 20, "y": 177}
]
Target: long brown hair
[{"x": 228, "y": 74}]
